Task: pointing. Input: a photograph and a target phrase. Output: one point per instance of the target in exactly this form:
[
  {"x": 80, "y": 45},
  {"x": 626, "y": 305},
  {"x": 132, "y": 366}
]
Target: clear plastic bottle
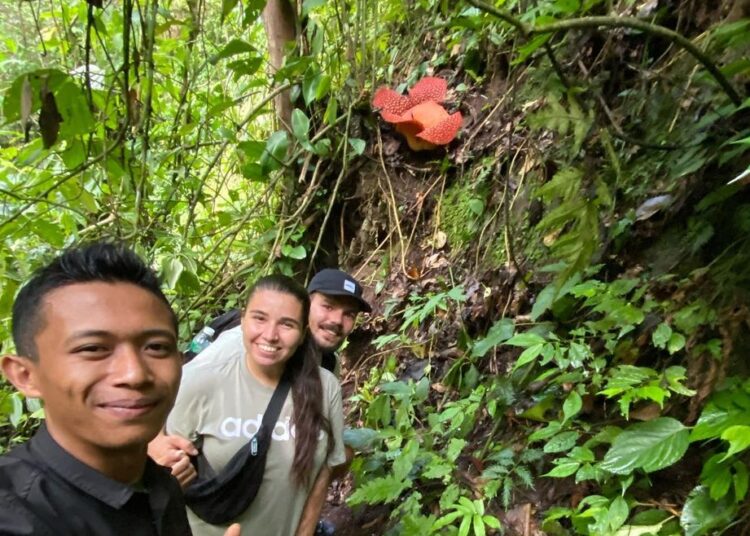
[{"x": 202, "y": 340}]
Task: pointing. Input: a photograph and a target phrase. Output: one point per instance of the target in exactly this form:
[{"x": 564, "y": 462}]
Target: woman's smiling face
[{"x": 272, "y": 329}]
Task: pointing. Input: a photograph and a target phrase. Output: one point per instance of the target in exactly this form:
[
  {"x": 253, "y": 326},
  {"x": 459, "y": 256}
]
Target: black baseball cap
[{"x": 337, "y": 283}]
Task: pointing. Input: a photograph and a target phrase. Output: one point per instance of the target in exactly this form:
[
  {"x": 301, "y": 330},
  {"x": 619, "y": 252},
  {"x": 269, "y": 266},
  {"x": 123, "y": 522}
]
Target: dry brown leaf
[
  {"x": 646, "y": 412},
  {"x": 439, "y": 388},
  {"x": 49, "y": 119}
]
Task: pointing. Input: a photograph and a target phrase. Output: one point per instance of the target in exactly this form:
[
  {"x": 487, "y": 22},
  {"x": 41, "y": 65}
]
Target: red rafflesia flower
[{"x": 419, "y": 116}]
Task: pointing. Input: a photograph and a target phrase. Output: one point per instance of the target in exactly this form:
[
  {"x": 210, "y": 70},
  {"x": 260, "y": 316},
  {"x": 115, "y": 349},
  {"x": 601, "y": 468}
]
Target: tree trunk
[{"x": 280, "y": 22}]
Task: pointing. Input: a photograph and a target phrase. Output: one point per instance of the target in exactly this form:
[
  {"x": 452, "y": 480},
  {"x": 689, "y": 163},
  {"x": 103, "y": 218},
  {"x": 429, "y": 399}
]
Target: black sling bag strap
[{"x": 221, "y": 498}]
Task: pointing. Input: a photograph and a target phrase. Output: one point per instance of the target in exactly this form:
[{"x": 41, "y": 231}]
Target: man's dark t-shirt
[{"x": 46, "y": 491}]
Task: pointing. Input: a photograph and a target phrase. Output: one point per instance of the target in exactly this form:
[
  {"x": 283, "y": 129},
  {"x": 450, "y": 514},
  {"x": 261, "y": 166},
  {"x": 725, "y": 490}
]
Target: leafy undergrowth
[{"x": 560, "y": 338}]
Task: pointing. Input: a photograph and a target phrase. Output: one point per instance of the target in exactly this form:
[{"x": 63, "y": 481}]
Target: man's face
[
  {"x": 331, "y": 319},
  {"x": 108, "y": 367}
]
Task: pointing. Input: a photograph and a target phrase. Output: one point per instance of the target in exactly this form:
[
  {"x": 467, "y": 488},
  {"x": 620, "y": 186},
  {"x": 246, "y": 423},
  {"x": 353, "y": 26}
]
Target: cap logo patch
[{"x": 349, "y": 286}]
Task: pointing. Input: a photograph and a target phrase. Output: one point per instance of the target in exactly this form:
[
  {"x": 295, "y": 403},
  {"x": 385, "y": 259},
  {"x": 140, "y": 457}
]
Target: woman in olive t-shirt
[{"x": 223, "y": 396}]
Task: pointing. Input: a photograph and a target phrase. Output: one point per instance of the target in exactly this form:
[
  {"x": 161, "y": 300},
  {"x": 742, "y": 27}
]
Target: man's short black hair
[{"x": 99, "y": 261}]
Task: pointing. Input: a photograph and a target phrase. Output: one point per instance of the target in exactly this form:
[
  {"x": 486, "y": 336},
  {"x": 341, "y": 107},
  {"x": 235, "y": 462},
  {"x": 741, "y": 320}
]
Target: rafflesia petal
[
  {"x": 444, "y": 132},
  {"x": 430, "y": 88},
  {"x": 391, "y": 103}
]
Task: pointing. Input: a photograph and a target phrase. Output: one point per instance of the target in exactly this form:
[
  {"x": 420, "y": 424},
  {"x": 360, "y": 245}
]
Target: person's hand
[
  {"x": 184, "y": 471},
  {"x": 172, "y": 451},
  {"x": 233, "y": 530}
]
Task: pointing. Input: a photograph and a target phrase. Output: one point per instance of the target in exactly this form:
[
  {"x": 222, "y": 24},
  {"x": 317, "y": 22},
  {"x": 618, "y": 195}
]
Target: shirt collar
[{"x": 89, "y": 480}]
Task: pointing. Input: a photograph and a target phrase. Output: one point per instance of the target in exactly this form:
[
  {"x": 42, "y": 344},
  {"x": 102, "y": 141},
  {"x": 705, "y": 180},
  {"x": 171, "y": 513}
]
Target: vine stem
[
  {"x": 333, "y": 194},
  {"x": 616, "y": 22}
]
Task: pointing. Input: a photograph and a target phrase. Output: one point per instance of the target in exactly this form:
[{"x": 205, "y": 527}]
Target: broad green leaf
[
  {"x": 572, "y": 405},
  {"x": 454, "y": 449},
  {"x": 676, "y": 343},
  {"x": 234, "y": 47},
  {"x": 465, "y": 527},
  {"x": 74, "y": 110},
  {"x": 322, "y": 147},
  {"x": 300, "y": 126},
  {"x": 467, "y": 504},
  {"x": 618, "y": 513},
  {"x": 74, "y": 154},
  {"x": 171, "y": 271},
  {"x": 226, "y": 7},
  {"x": 563, "y": 469},
  {"x": 49, "y": 232},
  {"x": 500, "y": 332},
  {"x": 661, "y": 335},
  {"x": 358, "y": 145},
  {"x": 296, "y": 252},
  {"x": 492, "y": 522},
  {"x": 544, "y": 300},
  {"x": 582, "y": 454},
  {"x": 675, "y": 376},
  {"x": 252, "y": 11},
  {"x": 546, "y": 432},
  {"x": 403, "y": 464},
  {"x": 446, "y": 520},
  {"x": 478, "y": 525},
  {"x": 33, "y": 405},
  {"x": 397, "y": 389},
  {"x": 649, "y": 446},
  {"x": 476, "y": 206},
  {"x": 741, "y": 481},
  {"x": 245, "y": 67},
  {"x": 275, "y": 151},
  {"x": 324, "y": 86},
  {"x": 17, "y": 412},
  {"x": 360, "y": 438},
  {"x": 730, "y": 407},
  {"x": 641, "y": 530},
  {"x": 331, "y": 112},
  {"x": 310, "y": 88},
  {"x": 701, "y": 514},
  {"x": 479, "y": 507},
  {"x": 562, "y": 442},
  {"x": 251, "y": 149},
  {"x": 738, "y": 437},
  {"x": 438, "y": 468},
  {"x": 528, "y": 355},
  {"x": 530, "y": 47},
  {"x": 524, "y": 340}
]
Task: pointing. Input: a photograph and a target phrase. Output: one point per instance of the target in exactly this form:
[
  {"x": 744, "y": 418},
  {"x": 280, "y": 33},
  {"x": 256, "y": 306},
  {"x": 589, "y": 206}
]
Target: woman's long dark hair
[{"x": 303, "y": 372}]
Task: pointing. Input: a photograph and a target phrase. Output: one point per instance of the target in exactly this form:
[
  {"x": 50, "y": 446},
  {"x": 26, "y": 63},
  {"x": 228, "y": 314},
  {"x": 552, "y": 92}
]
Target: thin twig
[{"x": 392, "y": 204}]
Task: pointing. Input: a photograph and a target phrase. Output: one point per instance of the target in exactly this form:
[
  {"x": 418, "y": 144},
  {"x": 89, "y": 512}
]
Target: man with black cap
[{"x": 335, "y": 301}]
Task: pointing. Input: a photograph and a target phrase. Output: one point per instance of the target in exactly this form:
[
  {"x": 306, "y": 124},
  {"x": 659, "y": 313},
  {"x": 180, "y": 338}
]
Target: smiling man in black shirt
[{"x": 96, "y": 340}]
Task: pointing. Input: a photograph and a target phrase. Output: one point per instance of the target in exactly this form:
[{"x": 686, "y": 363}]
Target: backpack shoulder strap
[{"x": 277, "y": 401}]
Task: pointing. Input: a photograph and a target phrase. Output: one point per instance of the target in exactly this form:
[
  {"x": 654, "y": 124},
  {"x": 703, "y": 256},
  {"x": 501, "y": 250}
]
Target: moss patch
[{"x": 461, "y": 213}]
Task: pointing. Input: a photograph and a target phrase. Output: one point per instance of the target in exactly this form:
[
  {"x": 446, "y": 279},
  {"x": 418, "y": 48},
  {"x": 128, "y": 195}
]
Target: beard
[{"x": 330, "y": 329}]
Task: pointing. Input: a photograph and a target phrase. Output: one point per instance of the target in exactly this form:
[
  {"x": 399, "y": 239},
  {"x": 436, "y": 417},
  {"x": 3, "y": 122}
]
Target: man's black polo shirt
[{"x": 44, "y": 490}]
